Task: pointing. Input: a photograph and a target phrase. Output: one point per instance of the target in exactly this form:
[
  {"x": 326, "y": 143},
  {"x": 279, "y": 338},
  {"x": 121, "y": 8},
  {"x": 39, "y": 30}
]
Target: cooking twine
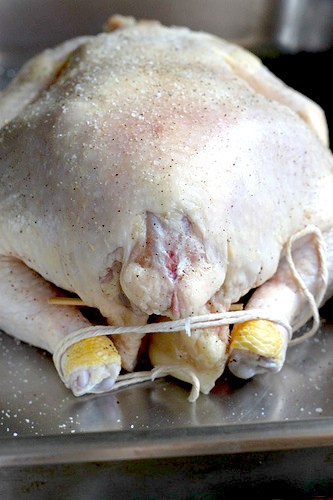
[{"x": 208, "y": 321}]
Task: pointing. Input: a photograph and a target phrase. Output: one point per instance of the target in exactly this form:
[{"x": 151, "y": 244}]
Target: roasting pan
[{"x": 272, "y": 435}]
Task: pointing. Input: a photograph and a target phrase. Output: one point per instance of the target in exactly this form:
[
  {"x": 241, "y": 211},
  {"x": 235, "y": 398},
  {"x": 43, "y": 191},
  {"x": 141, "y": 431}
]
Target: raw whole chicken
[{"x": 161, "y": 175}]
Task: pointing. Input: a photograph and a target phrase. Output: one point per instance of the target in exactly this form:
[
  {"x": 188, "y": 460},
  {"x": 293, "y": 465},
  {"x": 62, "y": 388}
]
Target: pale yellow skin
[{"x": 155, "y": 170}]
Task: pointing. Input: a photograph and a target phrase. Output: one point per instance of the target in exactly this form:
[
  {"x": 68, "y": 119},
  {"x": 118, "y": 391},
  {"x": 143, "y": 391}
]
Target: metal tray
[
  {"x": 272, "y": 435},
  {"x": 35, "y": 403}
]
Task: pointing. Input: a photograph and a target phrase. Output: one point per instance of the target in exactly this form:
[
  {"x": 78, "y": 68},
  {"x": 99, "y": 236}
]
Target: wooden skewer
[
  {"x": 66, "y": 301},
  {"x": 236, "y": 307},
  {"x": 76, "y": 301}
]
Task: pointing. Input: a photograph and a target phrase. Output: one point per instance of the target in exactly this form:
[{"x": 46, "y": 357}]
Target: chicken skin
[{"x": 161, "y": 174}]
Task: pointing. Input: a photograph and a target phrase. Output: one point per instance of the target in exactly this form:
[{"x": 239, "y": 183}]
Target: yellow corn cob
[
  {"x": 259, "y": 336},
  {"x": 94, "y": 351}
]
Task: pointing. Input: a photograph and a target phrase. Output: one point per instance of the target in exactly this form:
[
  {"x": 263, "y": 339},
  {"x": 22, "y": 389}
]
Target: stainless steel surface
[
  {"x": 272, "y": 428},
  {"x": 39, "y": 23},
  {"x": 304, "y": 25},
  {"x": 27, "y": 26},
  {"x": 272, "y": 435},
  {"x": 35, "y": 403}
]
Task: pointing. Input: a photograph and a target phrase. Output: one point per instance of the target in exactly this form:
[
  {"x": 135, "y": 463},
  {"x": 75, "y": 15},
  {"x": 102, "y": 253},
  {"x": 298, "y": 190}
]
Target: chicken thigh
[{"x": 160, "y": 175}]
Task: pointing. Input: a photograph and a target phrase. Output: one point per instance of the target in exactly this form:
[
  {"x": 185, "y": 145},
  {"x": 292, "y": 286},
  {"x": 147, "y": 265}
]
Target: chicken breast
[{"x": 161, "y": 174}]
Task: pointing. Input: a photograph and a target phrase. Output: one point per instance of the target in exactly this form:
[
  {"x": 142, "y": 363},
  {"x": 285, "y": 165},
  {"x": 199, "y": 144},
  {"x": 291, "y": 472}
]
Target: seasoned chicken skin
[{"x": 158, "y": 171}]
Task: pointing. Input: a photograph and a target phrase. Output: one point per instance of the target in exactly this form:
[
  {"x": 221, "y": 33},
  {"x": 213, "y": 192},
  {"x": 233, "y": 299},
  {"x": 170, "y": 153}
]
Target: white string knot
[{"x": 314, "y": 300}]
